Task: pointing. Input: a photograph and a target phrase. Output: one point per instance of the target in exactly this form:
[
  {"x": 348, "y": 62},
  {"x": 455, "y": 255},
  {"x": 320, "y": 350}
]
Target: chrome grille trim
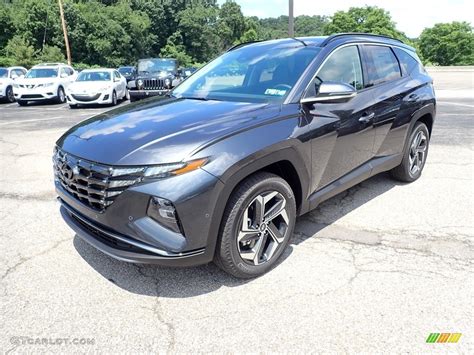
[{"x": 95, "y": 185}]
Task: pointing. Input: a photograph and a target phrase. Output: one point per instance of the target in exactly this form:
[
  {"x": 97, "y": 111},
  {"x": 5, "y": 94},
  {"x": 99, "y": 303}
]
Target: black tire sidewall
[
  {"x": 228, "y": 245},
  {"x": 8, "y": 91},
  {"x": 63, "y": 99},
  {"x": 114, "y": 98}
]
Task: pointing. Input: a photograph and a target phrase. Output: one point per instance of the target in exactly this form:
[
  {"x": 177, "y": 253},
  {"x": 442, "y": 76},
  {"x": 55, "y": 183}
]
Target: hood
[
  {"x": 160, "y": 130},
  {"x": 87, "y": 87},
  {"x": 36, "y": 81}
]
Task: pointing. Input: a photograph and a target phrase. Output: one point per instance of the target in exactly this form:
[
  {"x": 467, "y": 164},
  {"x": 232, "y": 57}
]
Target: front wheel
[
  {"x": 9, "y": 94},
  {"x": 114, "y": 98},
  {"x": 61, "y": 96},
  {"x": 415, "y": 155},
  {"x": 257, "y": 225},
  {"x": 22, "y": 102}
]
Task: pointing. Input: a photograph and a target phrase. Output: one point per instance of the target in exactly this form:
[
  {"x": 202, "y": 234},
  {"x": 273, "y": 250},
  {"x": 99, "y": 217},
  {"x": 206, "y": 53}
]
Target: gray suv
[{"x": 220, "y": 168}]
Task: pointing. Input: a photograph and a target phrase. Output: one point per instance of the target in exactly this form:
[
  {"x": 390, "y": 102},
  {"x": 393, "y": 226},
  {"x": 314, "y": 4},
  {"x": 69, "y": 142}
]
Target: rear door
[
  {"x": 342, "y": 134},
  {"x": 384, "y": 79}
]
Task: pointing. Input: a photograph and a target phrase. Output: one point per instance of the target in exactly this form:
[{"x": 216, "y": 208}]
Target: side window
[
  {"x": 116, "y": 75},
  {"x": 343, "y": 66},
  {"x": 63, "y": 72},
  {"x": 13, "y": 74},
  {"x": 407, "y": 62},
  {"x": 20, "y": 72},
  {"x": 382, "y": 65},
  {"x": 69, "y": 71}
]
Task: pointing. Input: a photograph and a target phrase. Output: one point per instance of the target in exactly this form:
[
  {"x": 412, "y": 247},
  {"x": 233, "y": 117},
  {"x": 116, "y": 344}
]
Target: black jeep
[{"x": 155, "y": 76}]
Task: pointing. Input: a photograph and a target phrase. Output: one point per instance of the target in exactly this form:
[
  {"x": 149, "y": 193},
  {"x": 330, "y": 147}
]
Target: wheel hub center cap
[{"x": 263, "y": 227}]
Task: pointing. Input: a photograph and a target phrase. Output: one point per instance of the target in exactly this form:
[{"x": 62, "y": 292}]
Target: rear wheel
[
  {"x": 415, "y": 155},
  {"x": 257, "y": 225},
  {"x": 9, "y": 94},
  {"x": 61, "y": 96}
]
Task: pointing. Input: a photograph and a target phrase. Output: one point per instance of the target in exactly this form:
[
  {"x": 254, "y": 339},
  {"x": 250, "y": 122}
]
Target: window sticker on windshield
[{"x": 275, "y": 92}]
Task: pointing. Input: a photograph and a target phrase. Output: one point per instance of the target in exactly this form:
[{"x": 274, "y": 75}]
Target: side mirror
[{"x": 330, "y": 91}]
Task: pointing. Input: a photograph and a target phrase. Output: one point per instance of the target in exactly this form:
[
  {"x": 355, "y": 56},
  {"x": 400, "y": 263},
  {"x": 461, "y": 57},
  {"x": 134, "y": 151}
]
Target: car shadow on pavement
[{"x": 167, "y": 282}]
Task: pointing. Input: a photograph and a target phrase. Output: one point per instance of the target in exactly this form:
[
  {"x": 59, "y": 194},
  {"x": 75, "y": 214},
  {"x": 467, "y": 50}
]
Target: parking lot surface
[{"x": 375, "y": 269}]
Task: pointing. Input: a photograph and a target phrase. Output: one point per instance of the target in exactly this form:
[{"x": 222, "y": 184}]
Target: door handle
[{"x": 367, "y": 117}]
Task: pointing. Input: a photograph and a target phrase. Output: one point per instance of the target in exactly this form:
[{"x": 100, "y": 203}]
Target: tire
[
  {"x": 133, "y": 99},
  {"x": 72, "y": 106},
  {"x": 22, "y": 102},
  {"x": 114, "y": 98},
  {"x": 10, "y": 97},
  {"x": 61, "y": 96},
  {"x": 246, "y": 250},
  {"x": 414, "y": 156}
]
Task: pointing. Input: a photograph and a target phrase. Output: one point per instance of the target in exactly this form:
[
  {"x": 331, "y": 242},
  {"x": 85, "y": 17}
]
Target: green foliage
[
  {"x": 110, "y": 33},
  {"x": 51, "y": 54},
  {"x": 448, "y": 44},
  {"x": 20, "y": 51},
  {"x": 368, "y": 19}
]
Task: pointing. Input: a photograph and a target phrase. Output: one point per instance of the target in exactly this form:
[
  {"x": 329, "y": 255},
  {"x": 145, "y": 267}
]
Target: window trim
[
  {"x": 359, "y": 44},
  {"x": 362, "y": 67}
]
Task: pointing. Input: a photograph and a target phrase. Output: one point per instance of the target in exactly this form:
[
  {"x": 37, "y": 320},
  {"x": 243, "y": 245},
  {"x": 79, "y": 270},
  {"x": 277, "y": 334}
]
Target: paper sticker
[{"x": 275, "y": 92}]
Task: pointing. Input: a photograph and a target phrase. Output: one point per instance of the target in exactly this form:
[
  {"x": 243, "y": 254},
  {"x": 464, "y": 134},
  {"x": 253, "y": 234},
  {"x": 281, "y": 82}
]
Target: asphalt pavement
[{"x": 375, "y": 269}]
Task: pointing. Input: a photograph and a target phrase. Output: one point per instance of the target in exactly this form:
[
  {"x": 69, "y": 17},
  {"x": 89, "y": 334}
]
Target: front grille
[
  {"x": 95, "y": 185},
  {"x": 154, "y": 84},
  {"x": 85, "y": 98}
]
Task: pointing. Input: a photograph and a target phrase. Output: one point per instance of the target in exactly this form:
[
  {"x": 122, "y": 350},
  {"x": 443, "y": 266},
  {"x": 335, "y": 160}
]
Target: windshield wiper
[{"x": 195, "y": 98}]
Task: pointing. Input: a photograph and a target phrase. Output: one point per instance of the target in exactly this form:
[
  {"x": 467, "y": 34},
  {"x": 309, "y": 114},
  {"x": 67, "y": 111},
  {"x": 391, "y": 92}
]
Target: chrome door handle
[{"x": 367, "y": 118}]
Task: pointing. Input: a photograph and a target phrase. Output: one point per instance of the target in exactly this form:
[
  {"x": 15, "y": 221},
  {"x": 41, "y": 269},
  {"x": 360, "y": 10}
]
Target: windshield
[
  {"x": 149, "y": 66},
  {"x": 94, "y": 76},
  {"x": 126, "y": 70},
  {"x": 3, "y": 73},
  {"x": 41, "y": 73},
  {"x": 249, "y": 74}
]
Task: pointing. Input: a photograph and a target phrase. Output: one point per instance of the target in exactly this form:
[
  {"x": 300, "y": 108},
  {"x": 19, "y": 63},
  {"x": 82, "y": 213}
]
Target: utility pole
[
  {"x": 66, "y": 40},
  {"x": 291, "y": 21}
]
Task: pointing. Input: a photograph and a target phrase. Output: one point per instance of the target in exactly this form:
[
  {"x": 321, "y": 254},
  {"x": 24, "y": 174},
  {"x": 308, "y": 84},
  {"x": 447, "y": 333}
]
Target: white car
[
  {"x": 97, "y": 86},
  {"x": 44, "y": 82},
  {"x": 8, "y": 76}
]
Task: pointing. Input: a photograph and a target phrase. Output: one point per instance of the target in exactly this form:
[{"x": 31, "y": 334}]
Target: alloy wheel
[
  {"x": 264, "y": 227},
  {"x": 417, "y": 153}
]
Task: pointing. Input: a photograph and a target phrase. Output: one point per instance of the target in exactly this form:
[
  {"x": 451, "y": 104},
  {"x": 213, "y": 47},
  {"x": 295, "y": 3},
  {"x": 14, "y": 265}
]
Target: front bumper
[
  {"x": 124, "y": 231},
  {"x": 36, "y": 94},
  {"x": 89, "y": 99},
  {"x": 142, "y": 94}
]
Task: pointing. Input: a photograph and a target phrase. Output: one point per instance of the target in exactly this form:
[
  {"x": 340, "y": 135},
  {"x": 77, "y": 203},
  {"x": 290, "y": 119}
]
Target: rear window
[
  {"x": 382, "y": 65},
  {"x": 407, "y": 62}
]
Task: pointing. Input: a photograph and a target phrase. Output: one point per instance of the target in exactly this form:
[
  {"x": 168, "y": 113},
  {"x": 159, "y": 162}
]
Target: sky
[{"x": 411, "y": 16}]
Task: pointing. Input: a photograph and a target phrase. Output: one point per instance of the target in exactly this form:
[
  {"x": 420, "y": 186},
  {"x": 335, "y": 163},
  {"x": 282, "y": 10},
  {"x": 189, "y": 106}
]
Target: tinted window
[
  {"x": 382, "y": 65},
  {"x": 407, "y": 62},
  {"x": 343, "y": 66},
  {"x": 42, "y": 73}
]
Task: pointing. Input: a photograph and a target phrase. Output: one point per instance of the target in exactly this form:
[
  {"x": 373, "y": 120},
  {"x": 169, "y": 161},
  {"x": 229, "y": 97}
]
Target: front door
[{"x": 342, "y": 134}]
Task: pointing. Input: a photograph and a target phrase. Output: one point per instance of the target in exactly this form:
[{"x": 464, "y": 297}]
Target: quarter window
[
  {"x": 407, "y": 62},
  {"x": 342, "y": 66},
  {"x": 382, "y": 65}
]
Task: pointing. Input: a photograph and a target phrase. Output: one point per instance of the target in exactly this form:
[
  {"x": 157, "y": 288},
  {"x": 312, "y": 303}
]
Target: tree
[
  {"x": 231, "y": 24},
  {"x": 368, "y": 19},
  {"x": 51, "y": 54},
  {"x": 448, "y": 44},
  {"x": 310, "y": 25},
  {"x": 20, "y": 51},
  {"x": 175, "y": 49}
]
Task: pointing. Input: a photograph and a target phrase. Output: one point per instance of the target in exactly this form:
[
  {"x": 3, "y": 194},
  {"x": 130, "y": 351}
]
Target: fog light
[{"x": 163, "y": 212}]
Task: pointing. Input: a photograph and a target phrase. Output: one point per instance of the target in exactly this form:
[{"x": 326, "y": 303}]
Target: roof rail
[
  {"x": 241, "y": 45},
  {"x": 337, "y": 35}
]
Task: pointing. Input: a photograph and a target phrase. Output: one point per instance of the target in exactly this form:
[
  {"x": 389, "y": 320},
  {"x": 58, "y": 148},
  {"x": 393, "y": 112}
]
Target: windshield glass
[
  {"x": 94, "y": 76},
  {"x": 249, "y": 74},
  {"x": 42, "y": 73},
  {"x": 3, "y": 73},
  {"x": 126, "y": 70},
  {"x": 149, "y": 66}
]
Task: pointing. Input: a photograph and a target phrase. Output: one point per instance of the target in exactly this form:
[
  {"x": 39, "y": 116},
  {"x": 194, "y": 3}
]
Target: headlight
[
  {"x": 165, "y": 170},
  {"x": 105, "y": 88},
  {"x": 45, "y": 85},
  {"x": 15, "y": 85},
  {"x": 168, "y": 83},
  {"x": 139, "y": 83}
]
